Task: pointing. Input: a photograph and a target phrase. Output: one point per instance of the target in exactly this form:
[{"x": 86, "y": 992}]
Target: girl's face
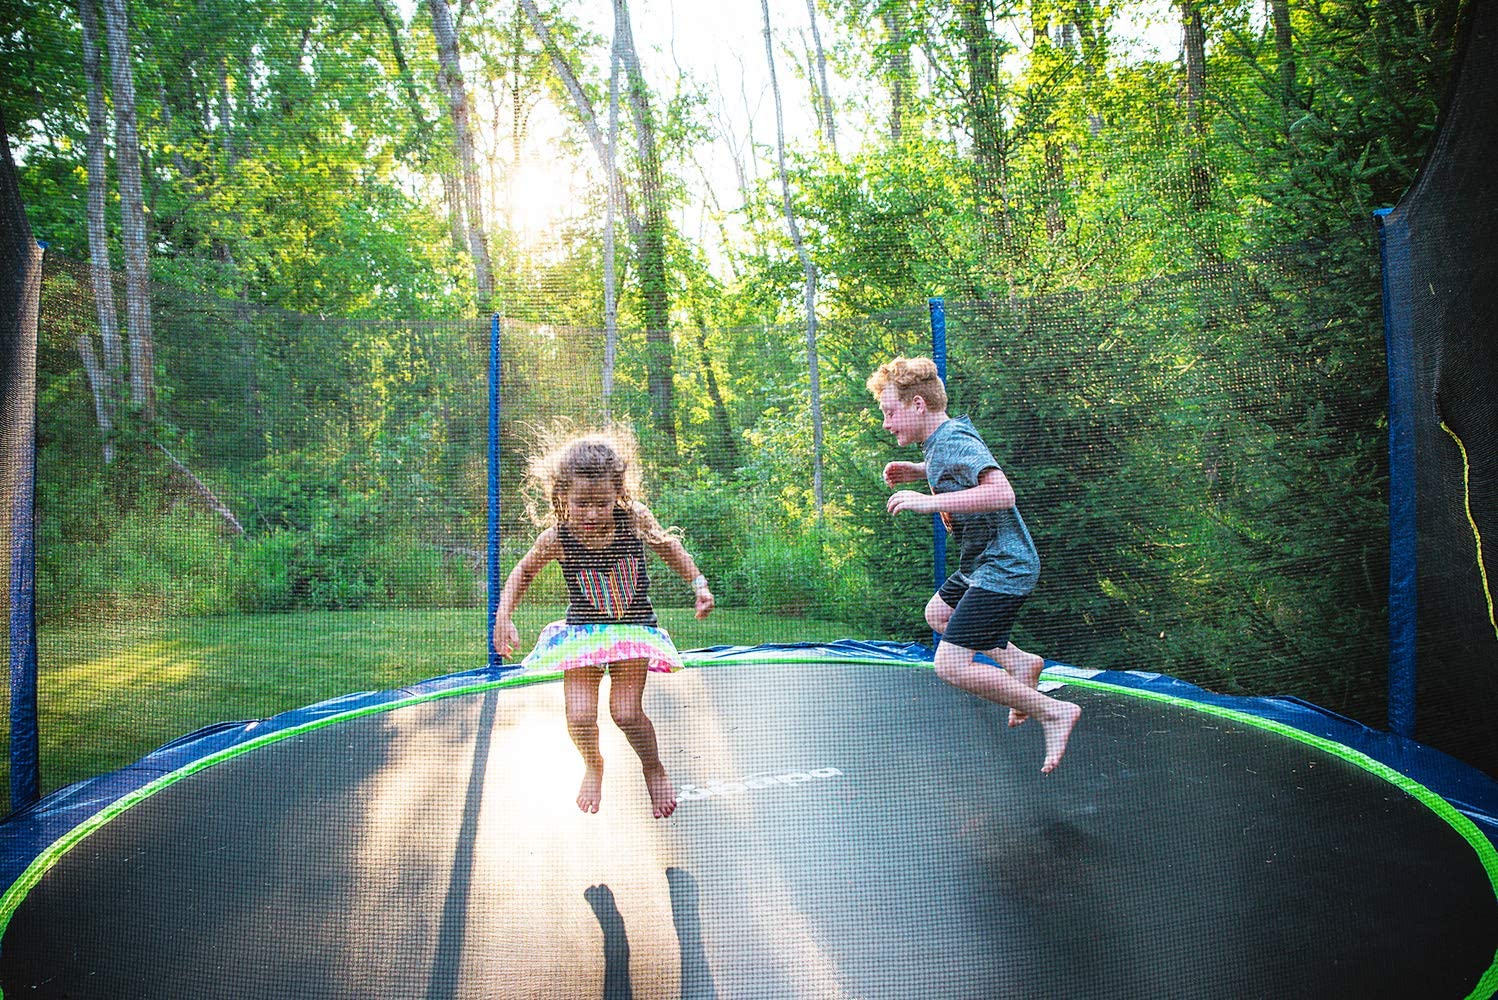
[{"x": 589, "y": 506}]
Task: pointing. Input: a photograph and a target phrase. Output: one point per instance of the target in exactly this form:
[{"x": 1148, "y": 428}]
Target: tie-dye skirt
[{"x": 562, "y": 647}]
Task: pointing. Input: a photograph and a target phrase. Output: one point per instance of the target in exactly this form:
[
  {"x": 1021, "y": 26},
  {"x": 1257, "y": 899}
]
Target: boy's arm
[
  {"x": 896, "y": 473},
  {"x": 993, "y": 492},
  {"x": 675, "y": 555},
  {"x": 546, "y": 549}
]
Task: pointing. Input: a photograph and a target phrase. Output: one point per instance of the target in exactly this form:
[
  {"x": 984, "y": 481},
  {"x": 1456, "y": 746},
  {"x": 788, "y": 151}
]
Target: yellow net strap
[{"x": 1477, "y": 534}]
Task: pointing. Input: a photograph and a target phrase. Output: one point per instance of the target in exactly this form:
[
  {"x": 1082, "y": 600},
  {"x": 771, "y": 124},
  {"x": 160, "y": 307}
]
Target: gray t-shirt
[{"x": 995, "y": 549}]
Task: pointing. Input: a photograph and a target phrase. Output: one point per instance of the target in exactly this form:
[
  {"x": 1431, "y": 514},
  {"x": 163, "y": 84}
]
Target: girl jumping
[{"x": 598, "y": 530}]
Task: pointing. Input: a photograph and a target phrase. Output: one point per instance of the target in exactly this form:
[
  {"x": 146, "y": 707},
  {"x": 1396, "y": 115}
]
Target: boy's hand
[
  {"x": 705, "y": 602},
  {"x": 896, "y": 473},
  {"x": 913, "y": 501},
  {"x": 506, "y": 636}
]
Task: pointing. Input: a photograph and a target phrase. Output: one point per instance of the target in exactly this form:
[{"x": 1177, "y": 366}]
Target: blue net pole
[
  {"x": 25, "y": 777},
  {"x": 495, "y": 583},
  {"x": 938, "y": 309},
  {"x": 20, "y": 297},
  {"x": 1394, "y": 249}
]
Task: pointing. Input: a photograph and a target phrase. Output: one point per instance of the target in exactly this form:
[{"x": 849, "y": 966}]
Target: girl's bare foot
[
  {"x": 1029, "y": 676},
  {"x": 591, "y": 792},
  {"x": 1058, "y": 724},
  {"x": 662, "y": 792}
]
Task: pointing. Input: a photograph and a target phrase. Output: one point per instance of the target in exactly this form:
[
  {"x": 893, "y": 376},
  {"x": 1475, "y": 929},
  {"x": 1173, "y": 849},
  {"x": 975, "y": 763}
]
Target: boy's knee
[
  {"x": 952, "y": 661},
  {"x": 938, "y": 613}
]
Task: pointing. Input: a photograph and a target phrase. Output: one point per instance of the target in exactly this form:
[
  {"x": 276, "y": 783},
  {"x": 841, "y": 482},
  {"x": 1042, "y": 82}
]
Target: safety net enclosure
[{"x": 318, "y": 286}]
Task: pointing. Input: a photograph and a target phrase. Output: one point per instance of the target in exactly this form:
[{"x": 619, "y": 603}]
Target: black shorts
[{"x": 981, "y": 619}]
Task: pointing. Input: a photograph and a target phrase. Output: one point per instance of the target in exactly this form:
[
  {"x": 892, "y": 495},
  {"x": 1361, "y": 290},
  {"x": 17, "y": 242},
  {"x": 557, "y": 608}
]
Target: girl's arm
[
  {"x": 546, "y": 549},
  {"x": 675, "y": 555}
]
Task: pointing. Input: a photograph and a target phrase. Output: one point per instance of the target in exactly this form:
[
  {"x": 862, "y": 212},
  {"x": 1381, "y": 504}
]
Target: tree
[
  {"x": 1194, "y": 60},
  {"x": 983, "y": 106},
  {"x": 103, "y": 379},
  {"x": 897, "y": 62},
  {"x": 450, "y": 78},
  {"x": 132, "y": 212},
  {"x": 610, "y": 289},
  {"x": 648, "y": 229},
  {"x": 825, "y": 112},
  {"x": 1284, "y": 44},
  {"x": 651, "y": 258},
  {"x": 808, "y": 269}
]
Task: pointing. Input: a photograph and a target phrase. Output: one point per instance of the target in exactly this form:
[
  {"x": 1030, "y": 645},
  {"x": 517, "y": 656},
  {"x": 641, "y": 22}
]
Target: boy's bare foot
[
  {"x": 1058, "y": 725},
  {"x": 1029, "y": 676},
  {"x": 591, "y": 792},
  {"x": 662, "y": 792}
]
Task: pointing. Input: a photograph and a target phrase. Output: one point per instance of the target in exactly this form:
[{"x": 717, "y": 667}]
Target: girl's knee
[
  {"x": 582, "y": 713},
  {"x": 580, "y": 720},
  {"x": 627, "y": 716}
]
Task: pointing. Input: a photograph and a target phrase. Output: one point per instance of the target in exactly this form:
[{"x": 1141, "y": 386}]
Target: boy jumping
[{"x": 976, "y": 607}]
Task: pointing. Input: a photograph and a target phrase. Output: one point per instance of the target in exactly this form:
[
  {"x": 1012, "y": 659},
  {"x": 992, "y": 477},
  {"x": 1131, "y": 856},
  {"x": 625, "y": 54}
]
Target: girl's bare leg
[
  {"x": 626, "y": 693},
  {"x": 580, "y": 687}
]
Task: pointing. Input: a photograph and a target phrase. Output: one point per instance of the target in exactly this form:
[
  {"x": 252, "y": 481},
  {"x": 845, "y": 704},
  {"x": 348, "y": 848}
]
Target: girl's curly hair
[{"x": 565, "y": 454}]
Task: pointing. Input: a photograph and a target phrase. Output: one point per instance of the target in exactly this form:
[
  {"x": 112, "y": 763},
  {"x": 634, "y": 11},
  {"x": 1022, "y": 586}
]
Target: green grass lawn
[{"x": 110, "y": 693}]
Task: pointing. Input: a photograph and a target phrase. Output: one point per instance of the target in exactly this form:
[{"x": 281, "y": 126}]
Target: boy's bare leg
[
  {"x": 580, "y": 688},
  {"x": 955, "y": 665},
  {"x": 626, "y": 693},
  {"x": 1025, "y": 667}
]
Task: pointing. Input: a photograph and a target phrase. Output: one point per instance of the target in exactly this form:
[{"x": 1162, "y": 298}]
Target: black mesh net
[
  {"x": 1172, "y": 443},
  {"x": 1443, "y": 306}
]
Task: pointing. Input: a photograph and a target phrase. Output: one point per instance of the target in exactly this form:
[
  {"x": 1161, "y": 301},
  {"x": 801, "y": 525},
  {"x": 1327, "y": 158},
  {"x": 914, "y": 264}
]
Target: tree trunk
[
  {"x": 424, "y": 131},
  {"x": 901, "y": 84},
  {"x": 829, "y": 123},
  {"x": 1055, "y": 154},
  {"x": 182, "y": 480},
  {"x": 1194, "y": 49},
  {"x": 1284, "y": 44},
  {"x": 584, "y": 106},
  {"x": 982, "y": 99},
  {"x": 103, "y": 380},
  {"x": 451, "y": 78},
  {"x": 610, "y": 292},
  {"x": 1090, "y": 33},
  {"x": 517, "y": 115},
  {"x": 452, "y": 197},
  {"x": 725, "y": 457},
  {"x": 648, "y": 234},
  {"x": 808, "y": 268},
  {"x": 651, "y": 244},
  {"x": 132, "y": 213}
]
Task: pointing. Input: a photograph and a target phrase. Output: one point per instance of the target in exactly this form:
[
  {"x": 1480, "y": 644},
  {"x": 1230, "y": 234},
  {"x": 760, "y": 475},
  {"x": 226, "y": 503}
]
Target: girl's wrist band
[{"x": 699, "y": 582}]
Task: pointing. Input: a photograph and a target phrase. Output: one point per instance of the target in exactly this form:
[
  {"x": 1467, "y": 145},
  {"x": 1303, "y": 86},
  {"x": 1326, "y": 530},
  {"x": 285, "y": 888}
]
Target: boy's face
[{"x": 906, "y": 421}]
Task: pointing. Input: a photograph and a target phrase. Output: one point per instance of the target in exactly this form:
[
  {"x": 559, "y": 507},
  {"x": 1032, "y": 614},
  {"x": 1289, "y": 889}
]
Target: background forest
[{"x": 277, "y": 231}]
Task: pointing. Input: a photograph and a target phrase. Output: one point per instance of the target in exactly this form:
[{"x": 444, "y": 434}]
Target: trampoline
[{"x": 849, "y": 826}]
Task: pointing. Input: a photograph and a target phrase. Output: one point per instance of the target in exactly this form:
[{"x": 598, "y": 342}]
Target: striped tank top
[{"x": 610, "y": 584}]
